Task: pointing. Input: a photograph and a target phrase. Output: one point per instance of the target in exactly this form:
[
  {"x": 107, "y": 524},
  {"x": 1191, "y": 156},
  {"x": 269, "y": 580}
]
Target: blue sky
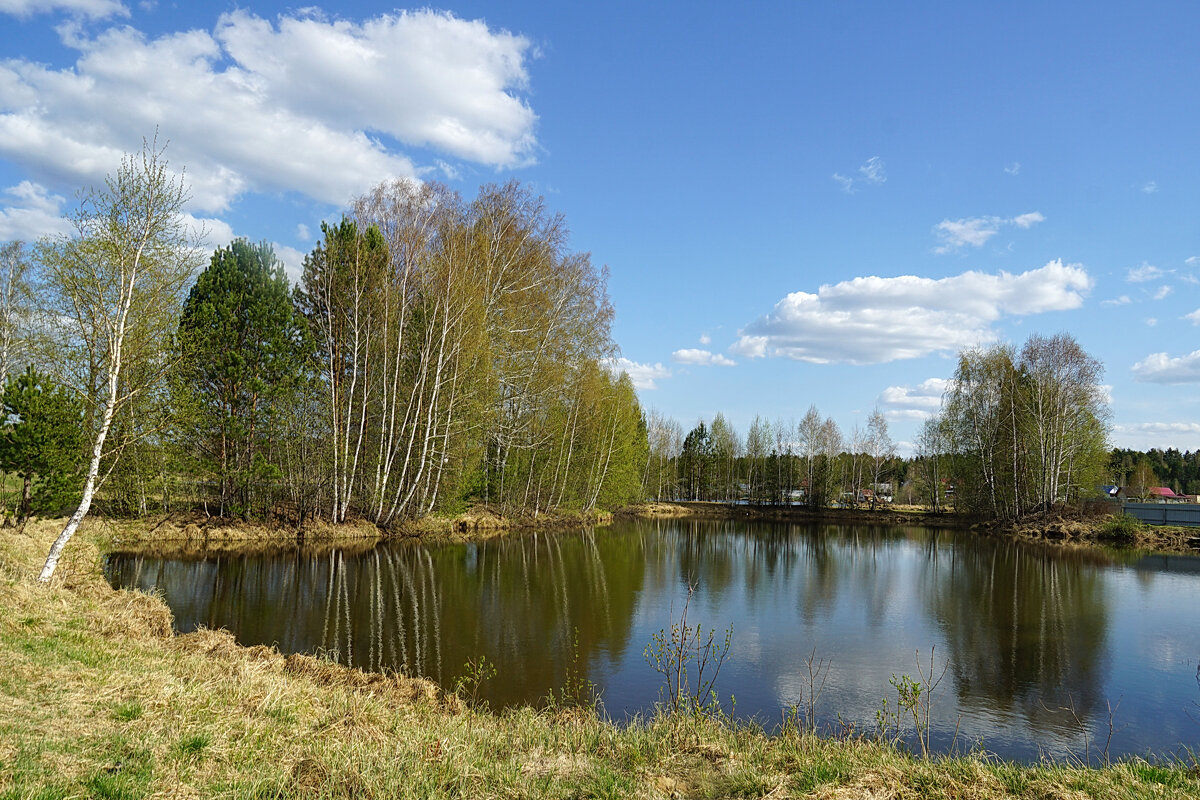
[{"x": 799, "y": 203}]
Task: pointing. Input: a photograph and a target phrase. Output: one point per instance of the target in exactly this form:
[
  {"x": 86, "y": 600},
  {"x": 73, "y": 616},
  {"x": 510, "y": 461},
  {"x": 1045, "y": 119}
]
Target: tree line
[
  {"x": 436, "y": 351},
  {"x": 439, "y": 351},
  {"x": 1175, "y": 469},
  {"x": 1018, "y": 432}
]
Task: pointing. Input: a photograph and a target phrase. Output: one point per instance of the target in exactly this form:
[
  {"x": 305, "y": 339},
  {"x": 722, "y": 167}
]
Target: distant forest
[{"x": 1175, "y": 469}]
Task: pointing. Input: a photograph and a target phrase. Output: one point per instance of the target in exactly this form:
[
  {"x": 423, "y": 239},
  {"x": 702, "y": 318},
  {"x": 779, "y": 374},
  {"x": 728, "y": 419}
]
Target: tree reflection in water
[{"x": 1026, "y": 630}]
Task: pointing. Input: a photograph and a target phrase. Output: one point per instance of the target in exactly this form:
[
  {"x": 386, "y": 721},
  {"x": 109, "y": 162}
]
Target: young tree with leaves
[
  {"x": 17, "y": 308},
  {"x": 880, "y": 448},
  {"x": 117, "y": 281}
]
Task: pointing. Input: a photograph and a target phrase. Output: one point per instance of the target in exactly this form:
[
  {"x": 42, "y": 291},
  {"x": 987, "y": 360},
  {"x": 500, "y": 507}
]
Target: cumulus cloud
[
  {"x": 1192, "y": 261},
  {"x": 701, "y": 358},
  {"x": 31, "y": 212},
  {"x": 872, "y": 172},
  {"x": 1013, "y": 168},
  {"x": 642, "y": 375},
  {"x": 93, "y": 9},
  {"x": 1161, "y": 292},
  {"x": 873, "y": 320},
  {"x": 293, "y": 261},
  {"x": 1145, "y": 272},
  {"x": 1144, "y": 435},
  {"x": 914, "y": 402},
  {"x": 1161, "y": 368},
  {"x": 298, "y": 104},
  {"x": 705, "y": 339},
  {"x": 955, "y": 234},
  {"x": 1123, "y": 300},
  {"x": 1193, "y": 317},
  {"x": 1150, "y": 187},
  {"x": 212, "y": 233}
]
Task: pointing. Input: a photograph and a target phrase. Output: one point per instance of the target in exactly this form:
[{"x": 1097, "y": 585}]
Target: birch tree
[
  {"x": 117, "y": 280},
  {"x": 880, "y": 448},
  {"x": 17, "y": 308}
]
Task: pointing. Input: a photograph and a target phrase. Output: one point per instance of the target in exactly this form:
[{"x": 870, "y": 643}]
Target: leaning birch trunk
[
  {"x": 89, "y": 487},
  {"x": 131, "y": 241},
  {"x": 110, "y": 406}
]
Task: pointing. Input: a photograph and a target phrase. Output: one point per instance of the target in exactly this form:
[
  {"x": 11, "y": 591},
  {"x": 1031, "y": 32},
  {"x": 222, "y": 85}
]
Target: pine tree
[
  {"x": 242, "y": 353},
  {"x": 41, "y": 442}
]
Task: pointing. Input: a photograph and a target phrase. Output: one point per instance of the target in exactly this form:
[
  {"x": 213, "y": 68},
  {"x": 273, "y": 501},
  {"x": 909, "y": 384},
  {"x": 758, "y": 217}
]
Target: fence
[{"x": 1185, "y": 514}]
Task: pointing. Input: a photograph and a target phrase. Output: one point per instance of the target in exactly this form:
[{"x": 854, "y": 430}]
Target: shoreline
[
  {"x": 1057, "y": 529},
  {"x": 194, "y": 534}
]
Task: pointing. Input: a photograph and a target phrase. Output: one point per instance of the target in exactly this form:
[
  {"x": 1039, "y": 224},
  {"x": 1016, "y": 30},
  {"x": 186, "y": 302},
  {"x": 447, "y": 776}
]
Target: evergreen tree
[
  {"x": 242, "y": 356},
  {"x": 42, "y": 443}
]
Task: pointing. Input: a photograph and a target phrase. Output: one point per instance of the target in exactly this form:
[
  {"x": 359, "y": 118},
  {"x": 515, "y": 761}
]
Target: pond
[{"x": 1041, "y": 651}]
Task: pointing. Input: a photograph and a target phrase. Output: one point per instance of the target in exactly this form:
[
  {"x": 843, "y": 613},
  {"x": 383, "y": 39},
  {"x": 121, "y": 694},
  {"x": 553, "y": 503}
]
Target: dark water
[{"x": 1038, "y": 644}]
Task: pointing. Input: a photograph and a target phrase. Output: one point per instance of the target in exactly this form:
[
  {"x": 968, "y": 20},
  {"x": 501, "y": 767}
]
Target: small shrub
[{"x": 1122, "y": 527}]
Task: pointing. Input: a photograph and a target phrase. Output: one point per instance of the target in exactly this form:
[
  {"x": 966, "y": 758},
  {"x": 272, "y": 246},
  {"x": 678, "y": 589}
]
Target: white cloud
[
  {"x": 1161, "y": 427},
  {"x": 975, "y": 231},
  {"x": 1161, "y": 292},
  {"x": 1194, "y": 317},
  {"x": 914, "y": 403},
  {"x": 701, "y": 358},
  {"x": 302, "y": 232},
  {"x": 1123, "y": 300},
  {"x": 1160, "y": 368},
  {"x": 642, "y": 375},
  {"x": 1150, "y": 187},
  {"x": 872, "y": 172},
  {"x": 300, "y": 104},
  {"x": 1151, "y": 322},
  {"x": 1144, "y": 435},
  {"x": 31, "y": 212},
  {"x": 872, "y": 320},
  {"x": 1013, "y": 168},
  {"x": 293, "y": 261},
  {"x": 1145, "y": 272},
  {"x": 705, "y": 339},
  {"x": 1192, "y": 261},
  {"x": 213, "y": 233},
  {"x": 95, "y": 9}
]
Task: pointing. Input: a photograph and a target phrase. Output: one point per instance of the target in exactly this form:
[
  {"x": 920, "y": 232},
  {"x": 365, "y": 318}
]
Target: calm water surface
[{"x": 1025, "y": 633}]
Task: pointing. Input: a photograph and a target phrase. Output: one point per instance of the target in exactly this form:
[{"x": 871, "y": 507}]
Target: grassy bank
[
  {"x": 98, "y": 699},
  {"x": 187, "y": 533}
]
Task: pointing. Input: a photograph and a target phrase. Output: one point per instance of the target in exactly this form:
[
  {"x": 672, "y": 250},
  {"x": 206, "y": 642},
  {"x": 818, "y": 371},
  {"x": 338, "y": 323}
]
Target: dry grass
[{"x": 97, "y": 699}]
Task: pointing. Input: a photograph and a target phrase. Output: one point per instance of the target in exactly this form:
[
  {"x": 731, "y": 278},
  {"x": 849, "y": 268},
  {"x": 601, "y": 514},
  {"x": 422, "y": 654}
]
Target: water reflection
[{"x": 1024, "y": 631}]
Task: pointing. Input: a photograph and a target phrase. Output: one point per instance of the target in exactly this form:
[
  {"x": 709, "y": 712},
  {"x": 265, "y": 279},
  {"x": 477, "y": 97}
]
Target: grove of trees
[{"x": 437, "y": 351}]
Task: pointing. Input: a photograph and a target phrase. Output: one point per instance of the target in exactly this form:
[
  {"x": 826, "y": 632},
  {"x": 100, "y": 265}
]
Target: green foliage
[
  {"x": 689, "y": 658},
  {"x": 1025, "y": 431},
  {"x": 475, "y": 673},
  {"x": 42, "y": 443},
  {"x": 1121, "y": 527},
  {"x": 1177, "y": 469},
  {"x": 242, "y": 357}
]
